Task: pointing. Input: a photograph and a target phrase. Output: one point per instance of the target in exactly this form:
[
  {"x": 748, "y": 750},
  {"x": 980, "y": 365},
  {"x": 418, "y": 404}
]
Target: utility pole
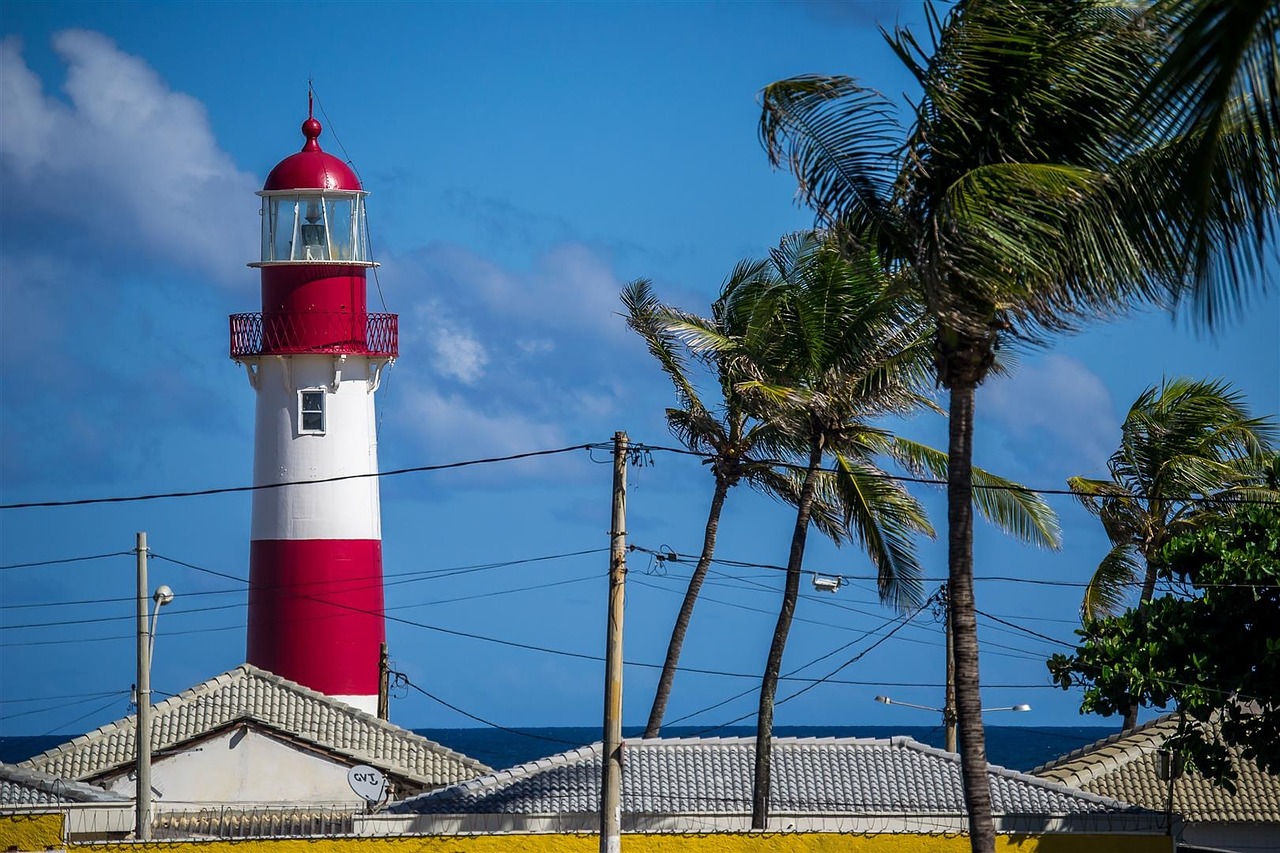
[
  {"x": 611, "y": 770},
  {"x": 142, "y": 825},
  {"x": 949, "y": 700},
  {"x": 384, "y": 684}
]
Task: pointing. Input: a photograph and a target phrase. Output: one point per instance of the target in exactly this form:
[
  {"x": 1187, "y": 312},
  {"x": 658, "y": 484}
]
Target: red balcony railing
[{"x": 321, "y": 333}]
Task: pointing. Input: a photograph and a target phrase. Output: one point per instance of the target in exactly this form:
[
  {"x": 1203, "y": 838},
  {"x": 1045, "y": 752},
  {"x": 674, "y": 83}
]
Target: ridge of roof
[
  {"x": 503, "y": 780},
  {"x": 1127, "y": 766},
  {"x": 26, "y": 786},
  {"x": 277, "y": 703},
  {"x": 1129, "y": 745}
]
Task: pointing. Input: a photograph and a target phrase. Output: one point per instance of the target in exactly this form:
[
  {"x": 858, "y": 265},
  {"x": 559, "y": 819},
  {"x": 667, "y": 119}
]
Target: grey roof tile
[
  {"x": 250, "y": 693},
  {"x": 1125, "y": 766},
  {"x": 713, "y": 776},
  {"x": 21, "y": 786}
]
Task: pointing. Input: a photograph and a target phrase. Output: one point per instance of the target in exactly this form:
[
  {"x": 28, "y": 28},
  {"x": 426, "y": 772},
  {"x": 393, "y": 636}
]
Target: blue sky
[{"x": 524, "y": 162}]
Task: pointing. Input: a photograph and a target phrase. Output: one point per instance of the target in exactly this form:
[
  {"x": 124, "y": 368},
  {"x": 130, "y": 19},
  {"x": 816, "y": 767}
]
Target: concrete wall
[
  {"x": 241, "y": 766},
  {"x": 30, "y": 831},
  {"x": 38, "y": 833}
]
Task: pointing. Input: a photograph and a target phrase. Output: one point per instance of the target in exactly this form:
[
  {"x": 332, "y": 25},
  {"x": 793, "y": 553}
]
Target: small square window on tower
[{"x": 311, "y": 411}]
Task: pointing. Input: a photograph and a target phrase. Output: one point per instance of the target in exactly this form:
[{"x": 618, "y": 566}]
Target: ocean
[{"x": 1015, "y": 747}]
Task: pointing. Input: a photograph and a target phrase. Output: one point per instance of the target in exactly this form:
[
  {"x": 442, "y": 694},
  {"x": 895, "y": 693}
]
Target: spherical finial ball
[{"x": 311, "y": 128}]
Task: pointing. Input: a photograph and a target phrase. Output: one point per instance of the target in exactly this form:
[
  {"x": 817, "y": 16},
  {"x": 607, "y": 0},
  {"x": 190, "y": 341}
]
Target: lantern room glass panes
[{"x": 314, "y": 227}]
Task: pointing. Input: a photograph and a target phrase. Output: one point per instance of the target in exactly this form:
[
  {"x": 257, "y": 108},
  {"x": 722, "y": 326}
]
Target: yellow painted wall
[
  {"x": 40, "y": 832},
  {"x": 30, "y": 832}
]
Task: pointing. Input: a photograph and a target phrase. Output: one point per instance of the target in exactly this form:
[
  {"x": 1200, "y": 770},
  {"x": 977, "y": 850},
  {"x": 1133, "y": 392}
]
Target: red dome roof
[{"x": 311, "y": 168}]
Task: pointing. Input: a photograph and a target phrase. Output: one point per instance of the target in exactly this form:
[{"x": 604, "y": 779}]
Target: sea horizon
[{"x": 1020, "y": 748}]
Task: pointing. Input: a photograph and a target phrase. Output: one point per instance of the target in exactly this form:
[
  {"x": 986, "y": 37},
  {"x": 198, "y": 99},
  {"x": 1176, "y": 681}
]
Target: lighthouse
[{"x": 315, "y": 356}]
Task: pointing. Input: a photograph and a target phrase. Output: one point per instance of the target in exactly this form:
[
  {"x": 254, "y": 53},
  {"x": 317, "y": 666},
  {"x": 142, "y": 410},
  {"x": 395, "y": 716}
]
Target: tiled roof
[
  {"x": 713, "y": 776},
  {"x": 1125, "y": 766},
  {"x": 25, "y": 787},
  {"x": 250, "y": 693}
]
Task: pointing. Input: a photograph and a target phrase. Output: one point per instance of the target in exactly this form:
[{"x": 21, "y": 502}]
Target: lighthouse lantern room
[{"x": 315, "y": 356}]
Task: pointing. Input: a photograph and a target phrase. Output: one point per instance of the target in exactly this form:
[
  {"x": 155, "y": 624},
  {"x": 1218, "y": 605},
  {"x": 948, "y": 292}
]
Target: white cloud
[
  {"x": 458, "y": 355},
  {"x": 1057, "y": 398},
  {"x": 459, "y": 426},
  {"x": 497, "y": 361},
  {"x": 124, "y": 158},
  {"x": 571, "y": 288}
]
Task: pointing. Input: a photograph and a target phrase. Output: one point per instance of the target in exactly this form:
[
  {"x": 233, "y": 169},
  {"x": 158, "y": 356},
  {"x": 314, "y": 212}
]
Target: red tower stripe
[{"x": 315, "y": 612}]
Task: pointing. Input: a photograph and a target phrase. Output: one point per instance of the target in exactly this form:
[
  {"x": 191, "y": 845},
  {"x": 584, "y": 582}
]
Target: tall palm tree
[
  {"x": 738, "y": 448},
  {"x": 1006, "y": 204},
  {"x": 1184, "y": 443},
  {"x": 820, "y": 347}
]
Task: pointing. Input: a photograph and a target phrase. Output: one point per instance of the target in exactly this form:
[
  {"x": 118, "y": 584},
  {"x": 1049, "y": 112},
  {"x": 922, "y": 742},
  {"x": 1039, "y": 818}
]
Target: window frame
[{"x": 303, "y": 411}]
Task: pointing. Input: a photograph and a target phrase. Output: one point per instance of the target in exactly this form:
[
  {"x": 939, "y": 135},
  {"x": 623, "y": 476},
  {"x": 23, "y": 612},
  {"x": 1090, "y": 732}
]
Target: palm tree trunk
[
  {"x": 773, "y": 668},
  {"x": 663, "y": 693},
  {"x": 1148, "y": 592},
  {"x": 964, "y": 623}
]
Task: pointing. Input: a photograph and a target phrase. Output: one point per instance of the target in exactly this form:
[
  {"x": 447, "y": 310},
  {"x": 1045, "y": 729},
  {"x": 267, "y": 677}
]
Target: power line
[
  {"x": 638, "y": 449},
  {"x": 65, "y": 560},
  {"x": 1027, "y": 631},
  {"x": 115, "y": 694},
  {"x": 401, "y": 678},
  {"x": 98, "y": 695},
  {"x": 792, "y": 673},
  {"x": 824, "y": 600},
  {"x": 418, "y": 469},
  {"x": 238, "y": 604},
  {"x": 95, "y": 711},
  {"x": 933, "y": 481}
]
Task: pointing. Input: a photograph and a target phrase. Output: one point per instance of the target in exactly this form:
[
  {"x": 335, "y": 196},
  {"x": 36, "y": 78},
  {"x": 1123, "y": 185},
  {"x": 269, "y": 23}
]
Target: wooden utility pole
[
  {"x": 142, "y": 773},
  {"x": 384, "y": 684},
  {"x": 611, "y": 771}
]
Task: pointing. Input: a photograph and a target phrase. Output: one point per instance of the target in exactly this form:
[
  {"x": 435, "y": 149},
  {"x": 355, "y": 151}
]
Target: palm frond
[
  {"x": 1113, "y": 584},
  {"x": 840, "y": 140},
  {"x": 884, "y": 517},
  {"x": 1004, "y": 503},
  {"x": 1217, "y": 92},
  {"x": 826, "y": 514},
  {"x": 645, "y": 316}
]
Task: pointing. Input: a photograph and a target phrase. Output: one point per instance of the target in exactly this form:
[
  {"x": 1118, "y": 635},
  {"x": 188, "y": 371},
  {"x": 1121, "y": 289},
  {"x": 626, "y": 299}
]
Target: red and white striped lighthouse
[{"x": 315, "y": 357}]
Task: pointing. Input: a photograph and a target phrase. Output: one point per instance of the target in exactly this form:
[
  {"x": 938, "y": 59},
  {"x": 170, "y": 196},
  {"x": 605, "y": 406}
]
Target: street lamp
[
  {"x": 948, "y": 715},
  {"x": 146, "y": 641}
]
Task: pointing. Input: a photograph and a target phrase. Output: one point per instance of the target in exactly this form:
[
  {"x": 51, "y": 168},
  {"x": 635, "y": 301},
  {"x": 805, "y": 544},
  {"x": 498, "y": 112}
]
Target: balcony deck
[{"x": 257, "y": 334}]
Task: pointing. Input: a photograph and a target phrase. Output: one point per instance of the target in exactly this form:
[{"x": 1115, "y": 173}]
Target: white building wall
[{"x": 241, "y": 766}]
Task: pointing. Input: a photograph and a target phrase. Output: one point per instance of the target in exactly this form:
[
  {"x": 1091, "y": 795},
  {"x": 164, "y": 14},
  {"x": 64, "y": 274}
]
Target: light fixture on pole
[
  {"x": 948, "y": 720},
  {"x": 146, "y": 640},
  {"x": 827, "y": 583}
]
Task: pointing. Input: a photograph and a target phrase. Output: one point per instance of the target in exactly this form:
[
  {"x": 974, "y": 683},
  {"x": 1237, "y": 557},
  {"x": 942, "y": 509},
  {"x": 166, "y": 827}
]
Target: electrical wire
[
  {"x": 97, "y": 710},
  {"x": 417, "y": 469},
  {"x": 404, "y": 679},
  {"x": 634, "y": 449},
  {"x": 114, "y": 694},
  {"x": 933, "y": 481},
  {"x": 902, "y": 623},
  {"x": 788, "y": 676},
  {"x": 1027, "y": 631},
  {"x": 989, "y": 647},
  {"x": 66, "y": 560}
]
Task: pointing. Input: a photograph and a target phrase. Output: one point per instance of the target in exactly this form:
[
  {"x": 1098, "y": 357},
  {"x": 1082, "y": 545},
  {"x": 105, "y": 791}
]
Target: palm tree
[
  {"x": 1184, "y": 445},
  {"x": 1217, "y": 92},
  {"x": 1006, "y": 206},
  {"x": 820, "y": 347},
  {"x": 737, "y": 447},
  {"x": 740, "y": 448}
]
